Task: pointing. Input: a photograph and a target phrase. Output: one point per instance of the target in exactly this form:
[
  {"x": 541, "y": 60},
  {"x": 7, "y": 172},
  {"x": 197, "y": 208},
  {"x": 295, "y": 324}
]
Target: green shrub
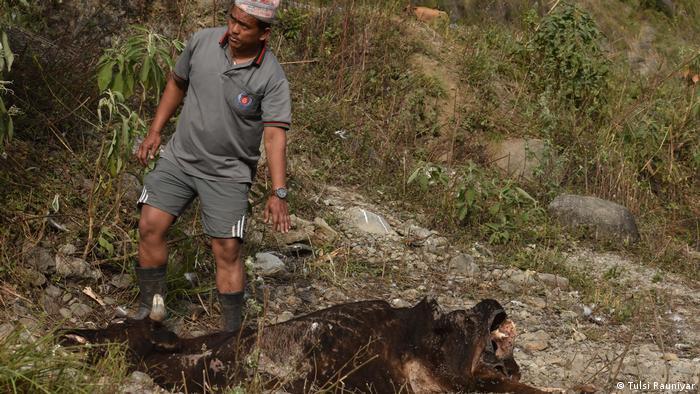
[
  {"x": 144, "y": 58},
  {"x": 501, "y": 209},
  {"x": 124, "y": 125},
  {"x": 565, "y": 57}
]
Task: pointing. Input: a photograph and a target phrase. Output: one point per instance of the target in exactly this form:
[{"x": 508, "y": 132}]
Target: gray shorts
[{"x": 224, "y": 203}]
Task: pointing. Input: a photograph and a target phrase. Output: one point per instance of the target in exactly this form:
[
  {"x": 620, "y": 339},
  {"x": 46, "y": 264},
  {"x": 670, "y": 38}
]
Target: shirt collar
[{"x": 257, "y": 61}]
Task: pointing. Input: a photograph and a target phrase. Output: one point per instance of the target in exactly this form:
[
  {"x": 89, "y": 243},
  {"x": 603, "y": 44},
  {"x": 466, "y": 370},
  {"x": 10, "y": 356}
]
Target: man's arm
[
  {"x": 174, "y": 92},
  {"x": 275, "y": 149}
]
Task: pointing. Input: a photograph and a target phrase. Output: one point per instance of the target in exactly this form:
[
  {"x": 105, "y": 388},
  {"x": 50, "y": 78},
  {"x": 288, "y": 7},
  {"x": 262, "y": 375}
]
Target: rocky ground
[{"x": 368, "y": 253}]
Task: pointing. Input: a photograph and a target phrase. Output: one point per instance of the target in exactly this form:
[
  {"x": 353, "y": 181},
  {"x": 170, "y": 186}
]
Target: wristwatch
[{"x": 281, "y": 193}]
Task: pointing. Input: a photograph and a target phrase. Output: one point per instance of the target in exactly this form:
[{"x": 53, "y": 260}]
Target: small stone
[
  {"x": 121, "y": 281},
  {"x": 50, "y": 305},
  {"x": 67, "y": 249},
  {"x": 535, "y": 341},
  {"x": 67, "y": 266},
  {"x": 568, "y": 315},
  {"x": 410, "y": 294},
  {"x": 670, "y": 357},
  {"x": 284, "y": 316},
  {"x": 368, "y": 222},
  {"x": 464, "y": 264},
  {"x": 67, "y": 297},
  {"x": 420, "y": 265},
  {"x": 53, "y": 291},
  {"x": 139, "y": 382},
  {"x": 554, "y": 281},
  {"x": 538, "y": 303},
  {"x": 323, "y": 231},
  {"x": 80, "y": 310},
  {"x": 522, "y": 278},
  {"x": 297, "y": 250},
  {"x": 66, "y": 313},
  {"x": 40, "y": 259},
  {"x": 267, "y": 264},
  {"x": 301, "y": 231},
  {"x": 28, "y": 324},
  {"x": 507, "y": 286},
  {"x": 399, "y": 303},
  {"x": 35, "y": 278},
  {"x": 5, "y": 330}
]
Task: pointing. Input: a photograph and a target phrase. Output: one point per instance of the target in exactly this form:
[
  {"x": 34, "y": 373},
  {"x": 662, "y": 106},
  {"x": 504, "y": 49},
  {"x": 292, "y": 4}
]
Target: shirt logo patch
[{"x": 244, "y": 101}]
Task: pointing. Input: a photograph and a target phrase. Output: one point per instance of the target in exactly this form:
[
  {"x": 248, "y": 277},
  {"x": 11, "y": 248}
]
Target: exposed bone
[
  {"x": 90, "y": 293},
  {"x": 157, "y": 308},
  {"x": 504, "y": 337},
  {"x": 78, "y": 339}
]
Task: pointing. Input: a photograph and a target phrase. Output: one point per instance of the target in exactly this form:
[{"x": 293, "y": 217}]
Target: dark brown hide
[{"x": 365, "y": 346}]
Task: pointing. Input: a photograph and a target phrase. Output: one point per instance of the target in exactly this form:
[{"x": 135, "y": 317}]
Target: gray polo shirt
[{"x": 226, "y": 108}]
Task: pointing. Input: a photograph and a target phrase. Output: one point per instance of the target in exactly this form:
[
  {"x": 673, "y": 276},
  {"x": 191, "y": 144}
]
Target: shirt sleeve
[
  {"x": 183, "y": 64},
  {"x": 277, "y": 105}
]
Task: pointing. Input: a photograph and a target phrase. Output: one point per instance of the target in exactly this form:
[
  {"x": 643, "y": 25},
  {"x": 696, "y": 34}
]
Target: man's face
[{"x": 243, "y": 31}]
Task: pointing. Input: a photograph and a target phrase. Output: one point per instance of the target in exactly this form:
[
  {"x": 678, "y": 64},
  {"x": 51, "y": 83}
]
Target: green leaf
[
  {"x": 525, "y": 194},
  {"x": 9, "y": 56},
  {"x": 3, "y": 128},
  {"x": 56, "y": 204},
  {"x": 104, "y": 75},
  {"x": 106, "y": 245},
  {"x": 145, "y": 68},
  {"x": 118, "y": 83},
  {"x": 470, "y": 196},
  {"x": 10, "y": 128}
]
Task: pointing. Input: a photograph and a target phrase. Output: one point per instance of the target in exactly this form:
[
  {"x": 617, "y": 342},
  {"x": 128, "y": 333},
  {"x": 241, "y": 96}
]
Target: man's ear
[{"x": 265, "y": 35}]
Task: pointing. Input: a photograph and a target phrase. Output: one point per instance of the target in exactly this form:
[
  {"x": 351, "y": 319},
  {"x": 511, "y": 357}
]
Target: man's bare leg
[
  {"x": 153, "y": 257},
  {"x": 230, "y": 280},
  {"x": 153, "y": 226}
]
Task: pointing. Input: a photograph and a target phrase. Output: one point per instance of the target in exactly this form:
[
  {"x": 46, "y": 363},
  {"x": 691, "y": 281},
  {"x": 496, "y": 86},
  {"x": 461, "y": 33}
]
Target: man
[{"x": 234, "y": 92}]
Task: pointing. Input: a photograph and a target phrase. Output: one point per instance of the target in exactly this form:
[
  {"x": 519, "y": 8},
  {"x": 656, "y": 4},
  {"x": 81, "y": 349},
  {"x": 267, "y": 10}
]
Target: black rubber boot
[
  {"x": 231, "y": 308},
  {"x": 151, "y": 282}
]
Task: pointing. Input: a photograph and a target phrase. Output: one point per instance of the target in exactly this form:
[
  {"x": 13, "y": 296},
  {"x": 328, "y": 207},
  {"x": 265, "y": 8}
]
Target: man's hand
[
  {"x": 149, "y": 147},
  {"x": 276, "y": 210}
]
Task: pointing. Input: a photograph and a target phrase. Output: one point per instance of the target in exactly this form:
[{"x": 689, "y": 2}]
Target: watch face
[{"x": 281, "y": 192}]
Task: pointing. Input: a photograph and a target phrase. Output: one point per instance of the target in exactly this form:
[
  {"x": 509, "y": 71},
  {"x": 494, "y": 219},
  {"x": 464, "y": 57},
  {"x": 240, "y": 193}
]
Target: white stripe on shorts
[
  {"x": 144, "y": 196},
  {"x": 237, "y": 230}
]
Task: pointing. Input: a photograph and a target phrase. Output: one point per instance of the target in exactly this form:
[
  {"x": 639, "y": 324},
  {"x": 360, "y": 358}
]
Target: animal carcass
[{"x": 364, "y": 346}]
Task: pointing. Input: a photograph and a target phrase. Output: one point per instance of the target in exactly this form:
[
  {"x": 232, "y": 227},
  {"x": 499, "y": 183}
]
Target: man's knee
[
  {"x": 226, "y": 250},
  {"x": 153, "y": 223}
]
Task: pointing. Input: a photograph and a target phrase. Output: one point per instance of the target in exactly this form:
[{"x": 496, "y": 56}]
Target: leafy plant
[
  {"x": 565, "y": 56},
  {"x": 427, "y": 175},
  {"x": 145, "y": 59},
  {"x": 125, "y": 126},
  {"x": 291, "y": 22},
  {"x": 500, "y": 208},
  {"x": 6, "y": 60}
]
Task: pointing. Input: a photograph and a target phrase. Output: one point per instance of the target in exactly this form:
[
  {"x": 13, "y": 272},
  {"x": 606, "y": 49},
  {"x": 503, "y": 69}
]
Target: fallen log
[{"x": 365, "y": 346}]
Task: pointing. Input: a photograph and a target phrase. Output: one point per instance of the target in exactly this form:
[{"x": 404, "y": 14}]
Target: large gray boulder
[
  {"x": 368, "y": 222},
  {"x": 605, "y": 218},
  {"x": 517, "y": 157}
]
